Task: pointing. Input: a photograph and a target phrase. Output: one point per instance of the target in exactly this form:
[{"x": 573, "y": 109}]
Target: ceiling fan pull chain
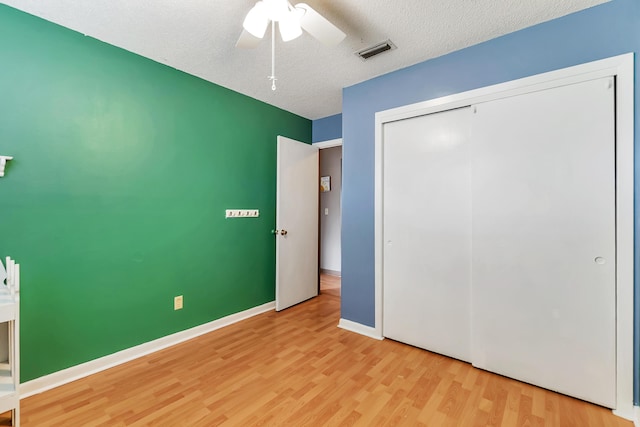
[{"x": 272, "y": 77}]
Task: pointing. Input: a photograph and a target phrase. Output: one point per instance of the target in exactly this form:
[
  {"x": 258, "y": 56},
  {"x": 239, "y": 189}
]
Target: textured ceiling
[{"x": 198, "y": 37}]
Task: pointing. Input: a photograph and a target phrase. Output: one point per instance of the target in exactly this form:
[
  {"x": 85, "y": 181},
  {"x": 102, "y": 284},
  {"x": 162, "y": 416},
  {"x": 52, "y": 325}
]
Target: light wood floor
[
  {"x": 296, "y": 368},
  {"x": 330, "y": 284}
]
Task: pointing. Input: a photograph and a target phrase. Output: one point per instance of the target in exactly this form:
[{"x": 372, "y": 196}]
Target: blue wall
[
  {"x": 327, "y": 128},
  {"x": 600, "y": 32}
]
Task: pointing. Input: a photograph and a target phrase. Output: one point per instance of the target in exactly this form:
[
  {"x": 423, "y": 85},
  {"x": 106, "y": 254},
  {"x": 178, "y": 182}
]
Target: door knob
[{"x": 283, "y": 232}]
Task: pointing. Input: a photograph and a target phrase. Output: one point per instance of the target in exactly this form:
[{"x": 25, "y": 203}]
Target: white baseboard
[
  {"x": 628, "y": 412},
  {"x": 636, "y": 419},
  {"x": 359, "y": 328},
  {"x": 73, "y": 373}
]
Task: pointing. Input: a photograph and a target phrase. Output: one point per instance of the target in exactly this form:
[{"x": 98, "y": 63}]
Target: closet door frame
[{"x": 622, "y": 68}]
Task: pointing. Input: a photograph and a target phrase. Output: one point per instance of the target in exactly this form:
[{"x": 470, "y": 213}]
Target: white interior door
[
  {"x": 427, "y": 232},
  {"x": 544, "y": 239},
  {"x": 296, "y": 222}
]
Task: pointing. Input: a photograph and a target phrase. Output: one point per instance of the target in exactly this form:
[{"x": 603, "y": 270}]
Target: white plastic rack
[{"x": 10, "y": 340}]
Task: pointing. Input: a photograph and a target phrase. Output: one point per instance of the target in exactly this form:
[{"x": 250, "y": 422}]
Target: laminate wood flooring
[
  {"x": 296, "y": 368},
  {"x": 330, "y": 284}
]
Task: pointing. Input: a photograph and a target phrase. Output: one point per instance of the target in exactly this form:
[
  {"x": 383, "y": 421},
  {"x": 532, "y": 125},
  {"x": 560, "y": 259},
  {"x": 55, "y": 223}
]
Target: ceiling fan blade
[
  {"x": 319, "y": 27},
  {"x": 247, "y": 41}
]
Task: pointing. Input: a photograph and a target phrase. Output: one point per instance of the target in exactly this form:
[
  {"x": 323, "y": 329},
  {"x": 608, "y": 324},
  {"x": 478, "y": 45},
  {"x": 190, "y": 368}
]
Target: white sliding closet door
[
  {"x": 544, "y": 239},
  {"x": 427, "y": 232}
]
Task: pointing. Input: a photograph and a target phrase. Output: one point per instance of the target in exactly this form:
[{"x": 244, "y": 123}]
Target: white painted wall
[{"x": 330, "y": 225}]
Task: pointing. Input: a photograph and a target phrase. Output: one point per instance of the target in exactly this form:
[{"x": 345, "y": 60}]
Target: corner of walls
[
  {"x": 326, "y": 128},
  {"x": 123, "y": 169}
]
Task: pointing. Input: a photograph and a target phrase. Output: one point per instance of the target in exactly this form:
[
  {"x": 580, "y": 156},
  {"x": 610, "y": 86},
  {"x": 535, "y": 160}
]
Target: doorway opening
[{"x": 330, "y": 222}]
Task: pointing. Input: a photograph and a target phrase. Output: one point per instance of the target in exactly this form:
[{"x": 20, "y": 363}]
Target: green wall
[{"x": 115, "y": 200}]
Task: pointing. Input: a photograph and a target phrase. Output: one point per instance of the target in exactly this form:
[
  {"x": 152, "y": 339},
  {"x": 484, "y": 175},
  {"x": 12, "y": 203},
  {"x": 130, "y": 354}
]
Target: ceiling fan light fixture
[
  {"x": 276, "y": 10},
  {"x": 290, "y": 27},
  {"x": 257, "y": 20},
  {"x": 291, "y": 21}
]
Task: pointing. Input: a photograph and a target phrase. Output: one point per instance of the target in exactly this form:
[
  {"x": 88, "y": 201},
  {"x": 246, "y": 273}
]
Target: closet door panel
[
  {"x": 427, "y": 250},
  {"x": 543, "y": 174}
]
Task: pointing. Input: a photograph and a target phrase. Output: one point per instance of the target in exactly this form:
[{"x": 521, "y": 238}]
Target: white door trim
[
  {"x": 622, "y": 68},
  {"x": 328, "y": 143}
]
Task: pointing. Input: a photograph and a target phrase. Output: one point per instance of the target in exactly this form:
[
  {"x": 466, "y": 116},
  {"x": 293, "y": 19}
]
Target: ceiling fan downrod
[{"x": 272, "y": 77}]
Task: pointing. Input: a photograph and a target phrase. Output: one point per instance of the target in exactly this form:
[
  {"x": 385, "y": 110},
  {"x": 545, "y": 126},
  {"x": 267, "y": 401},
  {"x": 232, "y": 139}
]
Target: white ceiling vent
[{"x": 376, "y": 49}]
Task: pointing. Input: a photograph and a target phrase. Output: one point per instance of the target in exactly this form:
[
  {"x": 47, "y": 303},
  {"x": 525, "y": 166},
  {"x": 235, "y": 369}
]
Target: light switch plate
[{"x": 242, "y": 213}]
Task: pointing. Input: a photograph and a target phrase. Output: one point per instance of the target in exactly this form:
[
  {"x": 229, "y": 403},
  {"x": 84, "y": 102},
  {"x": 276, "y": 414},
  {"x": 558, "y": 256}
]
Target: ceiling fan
[{"x": 291, "y": 21}]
